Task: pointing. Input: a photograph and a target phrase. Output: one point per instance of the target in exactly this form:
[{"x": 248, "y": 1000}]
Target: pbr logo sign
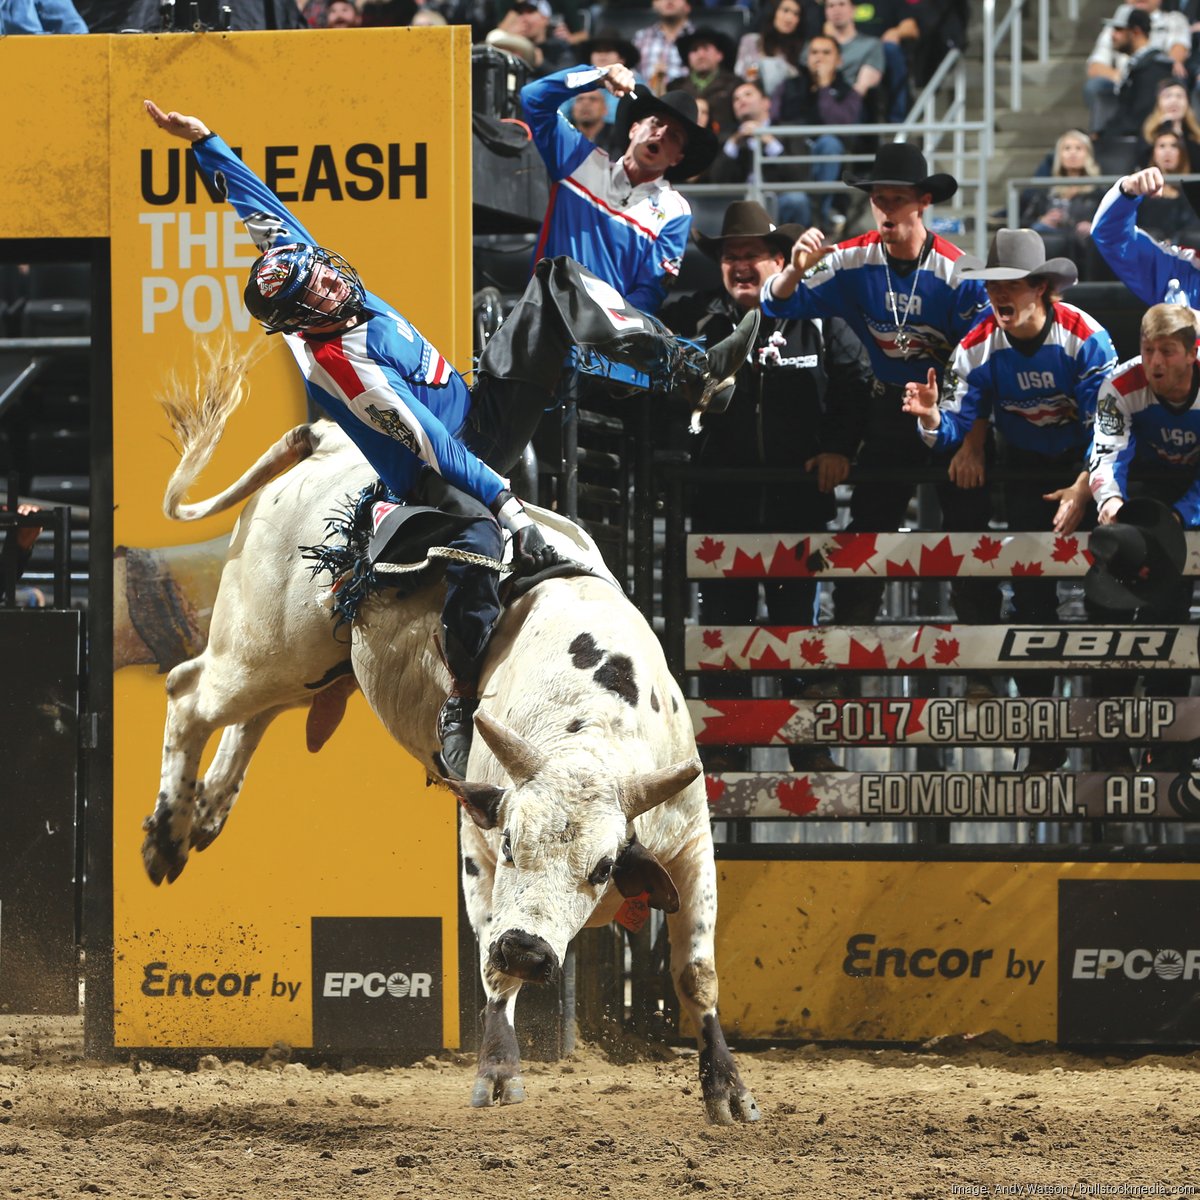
[
  {"x": 377, "y": 983},
  {"x": 1129, "y": 962}
]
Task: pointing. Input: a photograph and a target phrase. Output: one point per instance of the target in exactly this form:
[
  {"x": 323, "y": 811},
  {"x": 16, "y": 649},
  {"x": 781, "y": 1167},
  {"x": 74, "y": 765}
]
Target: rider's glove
[{"x": 531, "y": 551}]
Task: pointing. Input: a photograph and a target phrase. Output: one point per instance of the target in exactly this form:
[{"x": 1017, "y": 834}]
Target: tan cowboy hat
[
  {"x": 748, "y": 219},
  {"x": 1019, "y": 254}
]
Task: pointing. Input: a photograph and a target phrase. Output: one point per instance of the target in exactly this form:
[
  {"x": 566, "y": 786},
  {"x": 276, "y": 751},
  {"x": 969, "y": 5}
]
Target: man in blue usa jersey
[
  {"x": 1032, "y": 368},
  {"x": 897, "y": 289},
  {"x": 1148, "y": 426},
  {"x": 411, "y": 414},
  {"x": 619, "y": 216}
]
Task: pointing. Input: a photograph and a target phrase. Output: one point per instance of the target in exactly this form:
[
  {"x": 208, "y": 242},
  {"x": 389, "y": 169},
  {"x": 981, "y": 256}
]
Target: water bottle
[{"x": 1175, "y": 294}]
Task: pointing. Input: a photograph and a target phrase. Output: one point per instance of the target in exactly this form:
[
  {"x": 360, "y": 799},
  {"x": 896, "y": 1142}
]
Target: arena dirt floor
[{"x": 967, "y": 1120}]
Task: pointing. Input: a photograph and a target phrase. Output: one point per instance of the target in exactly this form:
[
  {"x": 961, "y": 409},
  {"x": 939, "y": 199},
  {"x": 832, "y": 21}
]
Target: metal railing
[{"x": 1013, "y": 188}]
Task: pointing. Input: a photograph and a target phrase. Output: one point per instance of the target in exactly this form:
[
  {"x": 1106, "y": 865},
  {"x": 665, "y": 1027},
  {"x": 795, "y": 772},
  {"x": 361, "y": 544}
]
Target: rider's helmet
[{"x": 298, "y": 286}]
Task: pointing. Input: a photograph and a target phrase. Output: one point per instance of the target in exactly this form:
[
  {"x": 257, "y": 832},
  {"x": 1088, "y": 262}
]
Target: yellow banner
[
  {"x": 344, "y": 856},
  {"x": 885, "y": 951}
]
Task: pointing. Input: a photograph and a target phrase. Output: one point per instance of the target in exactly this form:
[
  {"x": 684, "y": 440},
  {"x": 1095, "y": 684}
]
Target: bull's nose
[{"x": 524, "y": 956}]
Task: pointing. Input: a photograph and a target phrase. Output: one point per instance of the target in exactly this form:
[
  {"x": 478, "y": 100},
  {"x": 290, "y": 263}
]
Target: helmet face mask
[{"x": 297, "y": 287}]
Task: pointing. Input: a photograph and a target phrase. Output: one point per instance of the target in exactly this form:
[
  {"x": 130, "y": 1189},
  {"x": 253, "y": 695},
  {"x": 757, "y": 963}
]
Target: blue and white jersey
[
  {"x": 852, "y": 283},
  {"x": 631, "y": 237},
  {"x": 1144, "y": 266},
  {"x": 391, "y": 391},
  {"x": 1043, "y": 401},
  {"x": 1134, "y": 426}
]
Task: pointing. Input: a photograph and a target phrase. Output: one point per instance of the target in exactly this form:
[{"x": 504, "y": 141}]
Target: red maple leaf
[
  {"x": 791, "y": 562},
  {"x": 744, "y": 722},
  {"x": 899, "y": 568},
  {"x": 709, "y": 550},
  {"x": 797, "y": 796},
  {"x": 945, "y": 651},
  {"x": 865, "y": 658},
  {"x": 853, "y": 550},
  {"x": 911, "y": 664},
  {"x": 940, "y": 560},
  {"x": 770, "y": 660},
  {"x": 1065, "y": 549},
  {"x": 745, "y": 566},
  {"x": 1030, "y": 568},
  {"x": 812, "y": 650},
  {"x": 987, "y": 549},
  {"x": 714, "y": 788},
  {"x": 713, "y": 638}
]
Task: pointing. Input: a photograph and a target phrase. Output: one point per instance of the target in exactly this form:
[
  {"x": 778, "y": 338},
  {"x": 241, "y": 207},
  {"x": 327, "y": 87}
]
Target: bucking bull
[{"x": 584, "y": 787}]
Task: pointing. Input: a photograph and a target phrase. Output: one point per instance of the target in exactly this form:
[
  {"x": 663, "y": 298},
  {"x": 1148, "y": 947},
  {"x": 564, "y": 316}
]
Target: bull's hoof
[
  {"x": 204, "y": 834},
  {"x": 163, "y": 859},
  {"x": 488, "y": 1091},
  {"x": 730, "y": 1107}
]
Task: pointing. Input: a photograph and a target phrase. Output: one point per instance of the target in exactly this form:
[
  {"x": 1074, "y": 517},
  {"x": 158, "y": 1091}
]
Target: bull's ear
[
  {"x": 481, "y": 800},
  {"x": 638, "y": 872}
]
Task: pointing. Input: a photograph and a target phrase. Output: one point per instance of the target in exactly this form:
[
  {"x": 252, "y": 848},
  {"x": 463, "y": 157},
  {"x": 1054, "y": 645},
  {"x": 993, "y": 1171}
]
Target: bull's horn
[
  {"x": 640, "y": 793},
  {"x": 519, "y": 758}
]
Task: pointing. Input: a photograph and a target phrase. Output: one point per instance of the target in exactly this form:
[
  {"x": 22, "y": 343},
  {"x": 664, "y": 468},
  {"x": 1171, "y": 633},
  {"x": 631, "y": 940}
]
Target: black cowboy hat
[
  {"x": 707, "y": 35},
  {"x": 901, "y": 164},
  {"x": 701, "y": 147},
  {"x": 748, "y": 219},
  {"x": 611, "y": 39},
  {"x": 1018, "y": 254},
  {"x": 1137, "y": 560}
]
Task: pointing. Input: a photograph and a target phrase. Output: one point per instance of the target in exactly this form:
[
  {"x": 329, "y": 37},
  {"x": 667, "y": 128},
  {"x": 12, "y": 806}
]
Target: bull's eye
[
  {"x": 602, "y": 872},
  {"x": 506, "y": 848}
]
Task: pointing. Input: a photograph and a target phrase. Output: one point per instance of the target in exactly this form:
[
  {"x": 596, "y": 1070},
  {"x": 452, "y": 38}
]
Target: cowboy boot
[
  {"x": 456, "y": 727},
  {"x": 722, "y": 362}
]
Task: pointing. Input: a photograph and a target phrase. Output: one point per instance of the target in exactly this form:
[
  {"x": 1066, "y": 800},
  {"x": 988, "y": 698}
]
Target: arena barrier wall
[
  {"x": 340, "y": 867},
  {"x": 1078, "y": 953}
]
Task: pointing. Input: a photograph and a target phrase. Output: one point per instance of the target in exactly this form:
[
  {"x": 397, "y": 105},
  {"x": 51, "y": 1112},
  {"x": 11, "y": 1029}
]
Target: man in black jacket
[
  {"x": 777, "y": 418},
  {"x": 1146, "y": 69}
]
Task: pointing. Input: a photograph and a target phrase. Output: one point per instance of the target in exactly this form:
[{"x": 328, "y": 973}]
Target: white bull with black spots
[{"x": 583, "y": 789}]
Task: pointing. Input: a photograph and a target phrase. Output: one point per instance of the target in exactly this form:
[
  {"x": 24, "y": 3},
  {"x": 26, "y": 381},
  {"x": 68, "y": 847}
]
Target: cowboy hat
[
  {"x": 1137, "y": 560},
  {"x": 701, "y": 145},
  {"x": 707, "y": 35},
  {"x": 901, "y": 164},
  {"x": 611, "y": 39},
  {"x": 1018, "y": 254},
  {"x": 748, "y": 219},
  {"x": 514, "y": 44}
]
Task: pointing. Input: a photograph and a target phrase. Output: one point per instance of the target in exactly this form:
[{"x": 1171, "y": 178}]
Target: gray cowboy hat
[
  {"x": 901, "y": 164},
  {"x": 1018, "y": 254},
  {"x": 702, "y": 144},
  {"x": 748, "y": 219},
  {"x": 1138, "y": 559}
]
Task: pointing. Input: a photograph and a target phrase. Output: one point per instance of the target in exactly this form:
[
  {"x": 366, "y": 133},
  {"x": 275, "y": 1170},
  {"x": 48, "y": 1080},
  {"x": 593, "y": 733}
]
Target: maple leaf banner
[
  {"x": 900, "y": 721},
  {"x": 913, "y": 648},
  {"x": 953, "y": 795},
  {"x": 894, "y": 555}
]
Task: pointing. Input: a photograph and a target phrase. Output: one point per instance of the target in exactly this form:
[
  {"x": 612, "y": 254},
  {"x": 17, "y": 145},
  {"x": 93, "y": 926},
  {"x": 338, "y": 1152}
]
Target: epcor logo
[
  {"x": 341, "y": 984},
  {"x": 1136, "y": 964}
]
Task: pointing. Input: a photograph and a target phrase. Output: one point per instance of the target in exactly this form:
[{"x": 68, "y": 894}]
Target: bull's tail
[{"x": 197, "y": 417}]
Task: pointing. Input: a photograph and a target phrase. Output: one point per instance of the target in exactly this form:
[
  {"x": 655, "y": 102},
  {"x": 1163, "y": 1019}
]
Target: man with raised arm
[
  {"x": 895, "y": 288},
  {"x": 619, "y": 216},
  {"x": 1143, "y": 265},
  {"x": 411, "y": 414}
]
